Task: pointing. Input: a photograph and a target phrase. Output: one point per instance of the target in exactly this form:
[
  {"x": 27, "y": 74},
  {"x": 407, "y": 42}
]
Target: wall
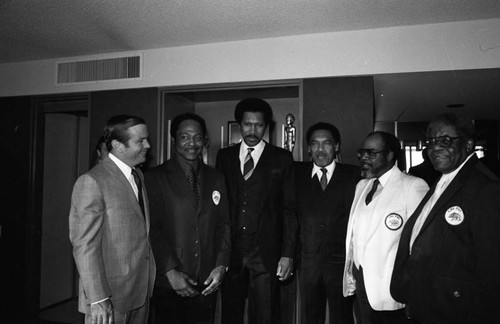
[
  {"x": 433, "y": 47},
  {"x": 139, "y": 102},
  {"x": 345, "y": 102}
]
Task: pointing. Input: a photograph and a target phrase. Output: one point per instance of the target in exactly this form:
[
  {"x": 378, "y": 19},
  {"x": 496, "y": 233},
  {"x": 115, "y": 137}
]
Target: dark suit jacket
[
  {"x": 192, "y": 240},
  {"x": 324, "y": 215},
  {"x": 110, "y": 239},
  {"x": 278, "y": 222},
  {"x": 453, "y": 272}
]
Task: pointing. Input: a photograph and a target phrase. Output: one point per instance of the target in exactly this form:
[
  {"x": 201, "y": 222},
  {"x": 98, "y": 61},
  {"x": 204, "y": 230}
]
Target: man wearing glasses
[
  {"x": 382, "y": 203},
  {"x": 447, "y": 267}
]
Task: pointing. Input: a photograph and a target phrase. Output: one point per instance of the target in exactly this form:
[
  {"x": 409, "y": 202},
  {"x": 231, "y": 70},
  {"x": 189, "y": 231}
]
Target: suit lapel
[
  {"x": 118, "y": 175},
  {"x": 389, "y": 191},
  {"x": 260, "y": 172},
  {"x": 177, "y": 177},
  {"x": 205, "y": 187},
  {"x": 453, "y": 187}
]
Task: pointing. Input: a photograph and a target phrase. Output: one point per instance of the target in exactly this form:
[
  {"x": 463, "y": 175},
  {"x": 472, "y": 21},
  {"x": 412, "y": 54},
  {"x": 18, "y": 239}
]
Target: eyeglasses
[
  {"x": 443, "y": 141},
  {"x": 370, "y": 152}
]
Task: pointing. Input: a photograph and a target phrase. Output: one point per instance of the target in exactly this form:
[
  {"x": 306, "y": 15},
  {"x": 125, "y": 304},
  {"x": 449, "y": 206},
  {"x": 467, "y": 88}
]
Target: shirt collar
[
  {"x": 329, "y": 170},
  {"x": 448, "y": 177},
  {"x": 257, "y": 148},
  {"x": 383, "y": 179},
  {"x": 124, "y": 168},
  {"x": 185, "y": 166}
]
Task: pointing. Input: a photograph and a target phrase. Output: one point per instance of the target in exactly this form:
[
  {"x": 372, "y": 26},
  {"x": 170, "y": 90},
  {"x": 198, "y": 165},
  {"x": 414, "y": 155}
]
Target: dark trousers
[
  {"x": 365, "y": 314},
  {"x": 170, "y": 308},
  {"x": 321, "y": 282},
  {"x": 248, "y": 277}
]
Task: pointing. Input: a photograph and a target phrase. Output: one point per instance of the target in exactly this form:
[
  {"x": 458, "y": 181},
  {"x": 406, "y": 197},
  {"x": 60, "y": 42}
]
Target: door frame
[{"x": 34, "y": 215}]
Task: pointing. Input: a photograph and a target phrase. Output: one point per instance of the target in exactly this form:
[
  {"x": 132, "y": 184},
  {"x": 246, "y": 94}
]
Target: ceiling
[{"x": 33, "y": 30}]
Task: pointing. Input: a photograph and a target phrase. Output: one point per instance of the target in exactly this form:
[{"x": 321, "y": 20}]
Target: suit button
[
  {"x": 244, "y": 228},
  {"x": 456, "y": 293},
  {"x": 196, "y": 255},
  {"x": 322, "y": 226},
  {"x": 243, "y": 211},
  {"x": 196, "y": 241}
]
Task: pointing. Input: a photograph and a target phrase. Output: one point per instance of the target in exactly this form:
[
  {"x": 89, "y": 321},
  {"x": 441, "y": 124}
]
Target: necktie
[
  {"x": 193, "y": 181},
  {"x": 138, "y": 183},
  {"x": 369, "y": 197},
  {"x": 324, "y": 180},
  {"x": 248, "y": 165}
]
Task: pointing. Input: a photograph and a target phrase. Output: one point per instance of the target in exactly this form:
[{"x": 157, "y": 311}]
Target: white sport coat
[{"x": 395, "y": 204}]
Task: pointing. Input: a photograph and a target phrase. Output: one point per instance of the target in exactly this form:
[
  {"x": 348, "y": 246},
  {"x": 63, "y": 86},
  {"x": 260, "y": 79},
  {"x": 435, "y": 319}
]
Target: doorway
[{"x": 64, "y": 149}]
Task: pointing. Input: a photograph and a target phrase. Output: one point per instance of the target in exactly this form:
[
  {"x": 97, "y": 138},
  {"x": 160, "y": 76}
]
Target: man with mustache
[
  {"x": 109, "y": 229},
  {"x": 261, "y": 186},
  {"x": 189, "y": 228},
  {"x": 447, "y": 267},
  {"x": 383, "y": 202},
  {"x": 325, "y": 189}
]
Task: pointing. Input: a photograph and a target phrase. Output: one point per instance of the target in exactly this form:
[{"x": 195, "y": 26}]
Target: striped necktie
[
  {"x": 193, "y": 182},
  {"x": 248, "y": 165},
  {"x": 324, "y": 180}
]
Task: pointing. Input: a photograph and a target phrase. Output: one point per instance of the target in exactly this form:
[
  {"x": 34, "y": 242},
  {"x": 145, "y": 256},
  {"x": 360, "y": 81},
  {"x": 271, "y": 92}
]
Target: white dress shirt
[
  {"x": 329, "y": 171},
  {"x": 256, "y": 153}
]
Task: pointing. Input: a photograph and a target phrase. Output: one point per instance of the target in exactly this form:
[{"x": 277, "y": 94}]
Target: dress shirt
[
  {"x": 364, "y": 217},
  {"x": 441, "y": 186},
  {"x": 256, "y": 153},
  {"x": 329, "y": 171},
  {"x": 127, "y": 172}
]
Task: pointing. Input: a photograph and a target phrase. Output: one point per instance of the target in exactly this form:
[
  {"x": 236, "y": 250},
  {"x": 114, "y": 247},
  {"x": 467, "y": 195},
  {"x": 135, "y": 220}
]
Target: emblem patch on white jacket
[{"x": 393, "y": 221}]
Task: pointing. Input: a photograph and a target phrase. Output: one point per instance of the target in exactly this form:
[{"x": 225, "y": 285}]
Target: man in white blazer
[
  {"x": 109, "y": 229},
  {"x": 383, "y": 201}
]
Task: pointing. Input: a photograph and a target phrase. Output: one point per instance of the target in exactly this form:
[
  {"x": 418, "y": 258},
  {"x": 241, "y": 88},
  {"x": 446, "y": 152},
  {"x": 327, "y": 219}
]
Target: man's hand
[
  {"x": 102, "y": 313},
  {"x": 214, "y": 280},
  {"x": 285, "y": 268},
  {"x": 182, "y": 284}
]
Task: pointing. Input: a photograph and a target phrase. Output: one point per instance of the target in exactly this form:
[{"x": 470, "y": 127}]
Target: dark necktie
[
  {"x": 248, "y": 165},
  {"x": 369, "y": 197},
  {"x": 324, "y": 180},
  {"x": 193, "y": 181},
  {"x": 138, "y": 183}
]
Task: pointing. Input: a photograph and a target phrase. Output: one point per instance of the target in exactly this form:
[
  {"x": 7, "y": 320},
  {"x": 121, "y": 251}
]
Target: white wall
[{"x": 447, "y": 46}]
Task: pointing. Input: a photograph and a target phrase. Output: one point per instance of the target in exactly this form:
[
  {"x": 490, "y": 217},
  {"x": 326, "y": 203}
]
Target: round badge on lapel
[
  {"x": 393, "y": 221},
  {"x": 216, "y": 197},
  {"x": 454, "y": 215}
]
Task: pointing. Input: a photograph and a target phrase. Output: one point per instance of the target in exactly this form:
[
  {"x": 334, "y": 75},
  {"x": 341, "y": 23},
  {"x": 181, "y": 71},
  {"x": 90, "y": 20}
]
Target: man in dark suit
[
  {"x": 325, "y": 190},
  {"x": 109, "y": 228},
  {"x": 261, "y": 186},
  {"x": 447, "y": 267},
  {"x": 190, "y": 229}
]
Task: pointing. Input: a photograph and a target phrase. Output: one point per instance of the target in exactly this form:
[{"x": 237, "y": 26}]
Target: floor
[{"x": 65, "y": 313}]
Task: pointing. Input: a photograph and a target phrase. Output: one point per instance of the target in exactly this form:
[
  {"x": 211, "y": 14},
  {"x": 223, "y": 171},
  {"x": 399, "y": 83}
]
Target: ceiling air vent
[{"x": 118, "y": 68}]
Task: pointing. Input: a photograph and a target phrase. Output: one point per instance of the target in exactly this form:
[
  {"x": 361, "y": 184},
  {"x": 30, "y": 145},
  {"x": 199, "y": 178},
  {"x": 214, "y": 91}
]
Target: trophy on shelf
[{"x": 289, "y": 133}]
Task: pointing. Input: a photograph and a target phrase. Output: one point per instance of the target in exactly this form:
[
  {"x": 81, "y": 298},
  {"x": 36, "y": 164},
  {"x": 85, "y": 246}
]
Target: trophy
[{"x": 289, "y": 133}]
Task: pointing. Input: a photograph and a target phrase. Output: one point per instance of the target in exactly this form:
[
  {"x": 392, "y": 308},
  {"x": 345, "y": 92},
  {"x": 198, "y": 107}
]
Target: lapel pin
[
  {"x": 216, "y": 197},
  {"x": 454, "y": 215}
]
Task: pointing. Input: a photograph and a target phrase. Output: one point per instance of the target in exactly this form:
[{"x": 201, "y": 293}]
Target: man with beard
[
  {"x": 261, "y": 186},
  {"x": 189, "y": 228},
  {"x": 109, "y": 229},
  {"x": 325, "y": 189},
  {"x": 383, "y": 202},
  {"x": 447, "y": 267}
]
